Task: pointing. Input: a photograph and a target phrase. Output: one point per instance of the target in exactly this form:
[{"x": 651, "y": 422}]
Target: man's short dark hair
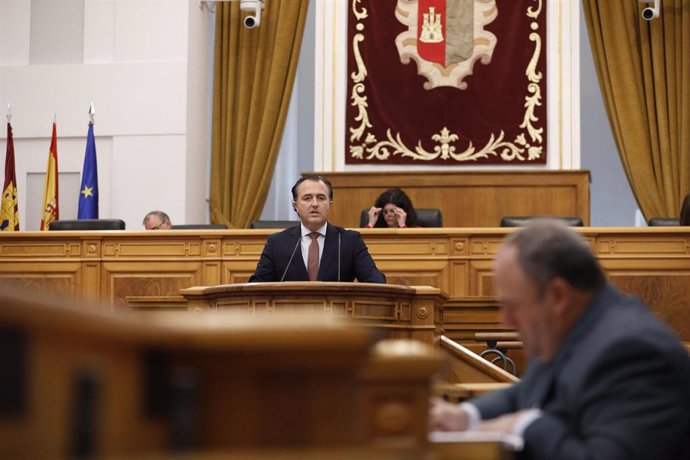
[
  {"x": 315, "y": 178},
  {"x": 548, "y": 249}
]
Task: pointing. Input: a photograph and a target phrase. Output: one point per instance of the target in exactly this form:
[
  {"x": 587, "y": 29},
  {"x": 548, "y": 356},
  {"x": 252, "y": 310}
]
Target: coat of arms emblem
[{"x": 446, "y": 38}]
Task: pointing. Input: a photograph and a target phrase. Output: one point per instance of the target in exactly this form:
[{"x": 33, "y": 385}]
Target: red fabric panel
[{"x": 392, "y": 118}]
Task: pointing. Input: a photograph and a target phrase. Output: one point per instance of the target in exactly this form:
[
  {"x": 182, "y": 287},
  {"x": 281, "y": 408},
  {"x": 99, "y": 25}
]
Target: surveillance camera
[
  {"x": 254, "y": 7},
  {"x": 651, "y": 12},
  {"x": 250, "y": 22}
]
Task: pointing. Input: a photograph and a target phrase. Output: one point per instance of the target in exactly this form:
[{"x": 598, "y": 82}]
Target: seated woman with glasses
[{"x": 392, "y": 209}]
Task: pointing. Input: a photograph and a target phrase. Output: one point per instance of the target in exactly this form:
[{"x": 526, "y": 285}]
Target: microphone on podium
[{"x": 291, "y": 257}]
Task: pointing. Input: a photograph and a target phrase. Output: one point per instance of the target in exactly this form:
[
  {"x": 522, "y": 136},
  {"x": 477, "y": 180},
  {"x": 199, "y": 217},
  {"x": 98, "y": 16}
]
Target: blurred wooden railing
[
  {"x": 468, "y": 367},
  {"x": 79, "y": 382}
]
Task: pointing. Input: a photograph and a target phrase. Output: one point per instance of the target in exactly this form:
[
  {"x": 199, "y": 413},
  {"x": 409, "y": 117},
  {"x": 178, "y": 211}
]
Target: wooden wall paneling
[
  {"x": 459, "y": 245},
  {"x": 39, "y": 245},
  {"x": 464, "y": 316},
  {"x": 410, "y": 259},
  {"x": 458, "y": 274},
  {"x": 49, "y": 278},
  {"x": 481, "y": 277},
  {"x": 240, "y": 253},
  {"x": 237, "y": 272},
  {"x": 664, "y": 285},
  {"x": 458, "y": 285},
  {"x": 153, "y": 264},
  {"x": 211, "y": 273},
  {"x": 211, "y": 250},
  {"x": 650, "y": 244},
  {"x": 485, "y": 246},
  {"x": 91, "y": 269},
  {"x": 44, "y": 263},
  {"x": 409, "y": 242},
  {"x": 667, "y": 294},
  {"x": 91, "y": 280},
  {"x": 151, "y": 247},
  {"x": 655, "y": 266},
  {"x": 482, "y": 250},
  {"x": 122, "y": 279},
  {"x": 413, "y": 272},
  {"x": 467, "y": 199}
]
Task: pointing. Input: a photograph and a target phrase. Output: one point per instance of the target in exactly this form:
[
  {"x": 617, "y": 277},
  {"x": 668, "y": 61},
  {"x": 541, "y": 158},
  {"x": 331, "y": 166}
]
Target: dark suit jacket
[
  {"x": 350, "y": 254},
  {"x": 618, "y": 389}
]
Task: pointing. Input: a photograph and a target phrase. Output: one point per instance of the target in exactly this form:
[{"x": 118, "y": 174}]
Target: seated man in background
[
  {"x": 315, "y": 250},
  {"x": 157, "y": 220},
  {"x": 606, "y": 379},
  {"x": 392, "y": 209}
]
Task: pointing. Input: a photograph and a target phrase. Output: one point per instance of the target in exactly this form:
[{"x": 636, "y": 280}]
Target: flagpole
[
  {"x": 88, "y": 194},
  {"x": 9, "y": 205},
  {"x": 51, "y": 210}
]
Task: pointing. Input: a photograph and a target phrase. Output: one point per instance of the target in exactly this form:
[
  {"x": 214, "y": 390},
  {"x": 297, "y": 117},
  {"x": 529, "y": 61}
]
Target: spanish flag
[
  {"x": 9, "y": 212},
  {"x": 50, "y": 197}
]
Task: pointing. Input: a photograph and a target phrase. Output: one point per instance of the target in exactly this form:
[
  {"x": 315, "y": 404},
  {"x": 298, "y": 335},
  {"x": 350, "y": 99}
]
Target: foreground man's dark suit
[
  {"x": 618, "y": 389},
  {"x": 354, "y": 260}
]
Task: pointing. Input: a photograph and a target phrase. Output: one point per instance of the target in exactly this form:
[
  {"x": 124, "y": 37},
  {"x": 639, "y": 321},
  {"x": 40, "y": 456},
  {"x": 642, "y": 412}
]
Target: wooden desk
[{"x": 653, "y": 263}]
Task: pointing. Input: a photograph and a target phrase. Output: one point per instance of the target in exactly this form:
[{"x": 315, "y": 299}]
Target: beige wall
[{"x": 145, "y": 66}]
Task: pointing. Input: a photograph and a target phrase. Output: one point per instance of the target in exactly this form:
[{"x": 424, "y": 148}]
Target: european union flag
[{"x": 88, "y": 193}]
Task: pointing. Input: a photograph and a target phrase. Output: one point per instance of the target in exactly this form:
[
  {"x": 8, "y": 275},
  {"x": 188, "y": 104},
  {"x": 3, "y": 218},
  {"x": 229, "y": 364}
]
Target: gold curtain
[
  {"x": 644, "y": 75},
  {"x": 253, "y": 77}
]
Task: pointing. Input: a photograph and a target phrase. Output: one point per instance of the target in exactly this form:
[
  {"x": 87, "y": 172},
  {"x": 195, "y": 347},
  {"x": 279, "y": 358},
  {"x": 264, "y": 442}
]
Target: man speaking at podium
[{"x": 315, "y": 250}]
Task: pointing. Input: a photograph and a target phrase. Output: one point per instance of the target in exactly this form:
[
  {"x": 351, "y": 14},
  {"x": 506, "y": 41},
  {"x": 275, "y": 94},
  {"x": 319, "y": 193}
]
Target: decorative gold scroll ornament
[{"x": 496, "y": 145}]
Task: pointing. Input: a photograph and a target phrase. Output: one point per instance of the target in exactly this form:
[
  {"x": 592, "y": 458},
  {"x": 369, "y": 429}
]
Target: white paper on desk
[{"x": 511, "y": 441}]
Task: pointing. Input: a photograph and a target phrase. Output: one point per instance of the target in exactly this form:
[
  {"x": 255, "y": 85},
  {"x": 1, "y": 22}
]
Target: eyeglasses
[{"x": 162, "y": 225}]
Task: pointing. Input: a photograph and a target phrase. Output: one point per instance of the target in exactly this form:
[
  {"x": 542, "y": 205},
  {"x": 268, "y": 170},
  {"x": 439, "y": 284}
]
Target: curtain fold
[
  {"x": 254, "y": 71},
  {"x": 644, "y": 75}
]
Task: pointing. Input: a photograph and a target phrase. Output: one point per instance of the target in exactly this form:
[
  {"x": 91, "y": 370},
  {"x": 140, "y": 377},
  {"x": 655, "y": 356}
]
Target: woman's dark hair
[
  {"x": 399, "y": 198},
  {"x": 685, "y": 211}
]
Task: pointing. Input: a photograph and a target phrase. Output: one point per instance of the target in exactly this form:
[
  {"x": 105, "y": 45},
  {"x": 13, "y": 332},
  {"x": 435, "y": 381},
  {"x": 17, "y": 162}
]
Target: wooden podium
[
  {"x": 80, "y": 383},
  {"x": 395, "y": 311}
]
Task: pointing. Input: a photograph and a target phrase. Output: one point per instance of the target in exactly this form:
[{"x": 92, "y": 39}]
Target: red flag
[
  {"x": 50, "y": 197},
  {"x": 9, "y": 212}
]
